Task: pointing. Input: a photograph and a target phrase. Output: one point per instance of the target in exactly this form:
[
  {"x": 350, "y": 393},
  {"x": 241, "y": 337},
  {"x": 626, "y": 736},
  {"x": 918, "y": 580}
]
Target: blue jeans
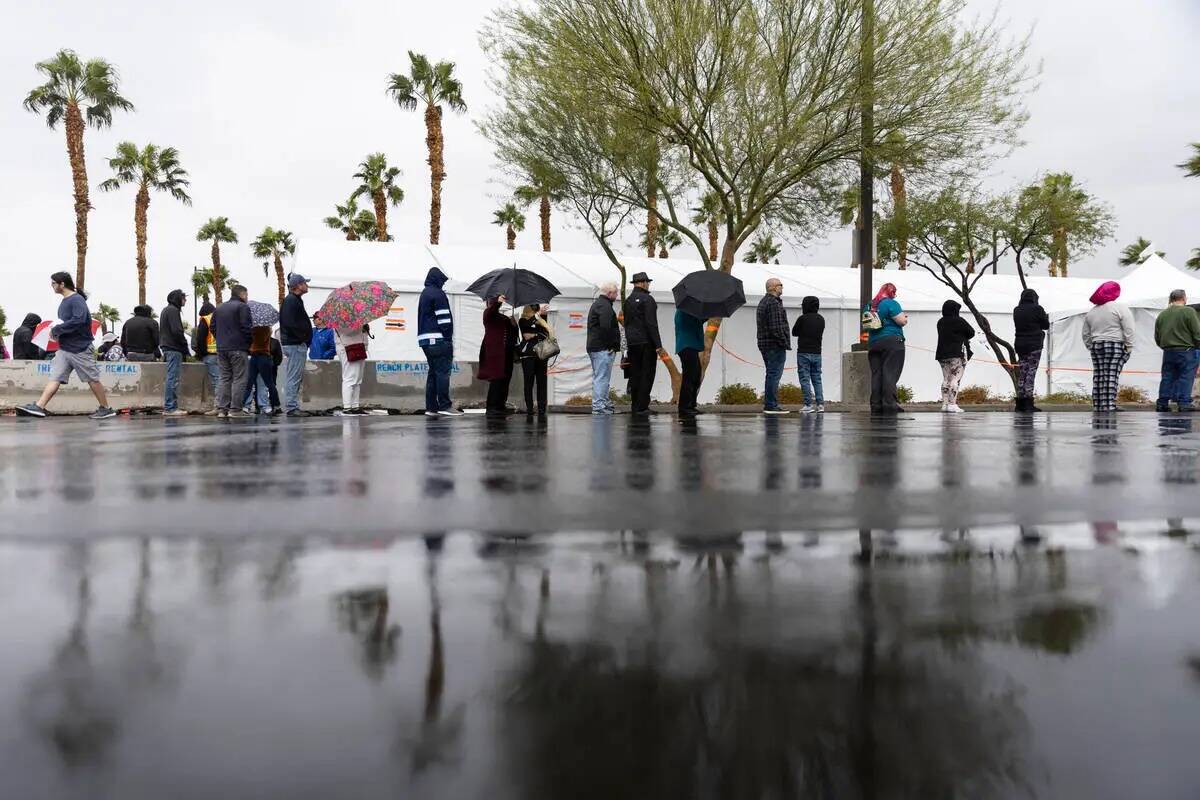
[
  {"x": 214, "y": 371},
  {"x": 602, "y": 363},
  {"x": 1178, "y": 372},
  {"x": 174, "y": 360},
  {"x": 774, "y": 358},
  {"x": 294, "y": 358},
  {"x": 440, "y": 356},
  {"x": 808, "y": 369},
  {"x": 262, "y": 373}
]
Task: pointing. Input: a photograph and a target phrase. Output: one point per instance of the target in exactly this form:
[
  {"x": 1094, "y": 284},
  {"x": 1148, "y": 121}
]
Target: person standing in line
[
  {"x": 352, "y": 353},
  {"x": 110, "y": 348},
  {"x": 809, "y": 329},
  {"x": 174, "y": 346},
  {"x": 774, "y": 342},
  {"x": 204, "y": 345},
  {"x": 140, "y": 335},
  {"x": 1177, "y": 332},
  {"x": 603, "y": 343},
  {"x": 261, "y": 366},
  {"x": 496, "y": 353},
  {"x": 74, "y": 336},
  {"x": 644, "y": 342},
  {"x": 1030, "y": 323},
  {"x": 23, "y": 346},
  {"x": 885, "y": 350},
  {"x": 295, "y": 335},
  {"x": 323, "y": 347},
  {"x": 533, "y": 328},
  {"x": 1108, "y": 334},
  {"x": 435, "y": 336},
  {"x": 954, "y": 334},
  {"x": 233, "y": 328},
  {"x": 689, "y": 344}
]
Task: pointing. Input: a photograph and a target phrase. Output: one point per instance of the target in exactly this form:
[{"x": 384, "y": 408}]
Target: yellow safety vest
[{"x": 212, "y": 340}]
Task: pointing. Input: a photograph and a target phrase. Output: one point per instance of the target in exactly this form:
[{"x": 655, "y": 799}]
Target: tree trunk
[
  {"x": 651, "y": 216},
  {"x": 512, "y": 237},
  {"x": 1062, "y": 253},
  {"x": 663, "y": 252},
  {"x": 1007, "y": 357},
  {"x": 713, "y": 326},
  {"x": 437, "y": 169},
  {"x": 218, "y": 281},
  {"x": 74, "y": 131},
  {"x": 140, "y": 206},
  {"x": 351, "y": 236},
  {"x": 380, "y": 214},
  {"x": 544, "y": 210},
  {"x": 279, "y": 277},
  {"x": 712, "y": 240},
  {"x": 900, "y": 198},
  {"x": 857, "y": 239}
]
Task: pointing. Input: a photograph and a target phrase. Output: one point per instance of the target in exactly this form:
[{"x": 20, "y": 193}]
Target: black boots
[{"x": 1026, "y": 404}]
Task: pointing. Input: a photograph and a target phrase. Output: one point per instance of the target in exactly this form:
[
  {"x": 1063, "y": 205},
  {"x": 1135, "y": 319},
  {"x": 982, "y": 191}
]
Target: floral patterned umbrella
[
  {"x": 356, "y": 304},
  {"x": 262, "y": 314}
]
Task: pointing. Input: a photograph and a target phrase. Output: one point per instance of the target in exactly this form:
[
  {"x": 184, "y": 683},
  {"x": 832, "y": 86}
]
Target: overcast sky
[{"x": 272, "y": 104}]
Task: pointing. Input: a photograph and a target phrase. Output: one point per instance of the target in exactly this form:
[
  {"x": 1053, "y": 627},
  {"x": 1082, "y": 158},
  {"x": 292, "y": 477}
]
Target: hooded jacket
[
  {"x": 809, "y": 327},
  {"x": 23, "y": 346},
  {"x": 170, "y": 321},
  {"x": 204, "y": 343},
  {"x": 953, "y": 332},
  {"x": 140, "y": 333},
  {"x": 435, "y": 323},
  {"x": 1030, "y": 323}
]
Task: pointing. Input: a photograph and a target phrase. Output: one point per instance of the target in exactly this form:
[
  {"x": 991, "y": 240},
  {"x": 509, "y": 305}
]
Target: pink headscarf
[
  {"x": 1106, "y": 293},
  {"x": 886, "y": 292}
]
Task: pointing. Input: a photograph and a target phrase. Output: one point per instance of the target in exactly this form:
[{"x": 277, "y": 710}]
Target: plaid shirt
[{"x": 773, "y": 330}]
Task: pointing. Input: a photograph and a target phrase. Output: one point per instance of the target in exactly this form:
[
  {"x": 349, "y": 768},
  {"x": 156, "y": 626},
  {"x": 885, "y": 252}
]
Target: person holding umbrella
[
  {"x": 533, "y": 329},
  {"x": 352, "y": 353},
  {"x": 689, "y": 344},
  {"x": 703, "y": 295},
  {"x": 496, "y": 355},
  {"x": 349, "y": 310},
  {"x": 644, "y": 341}
]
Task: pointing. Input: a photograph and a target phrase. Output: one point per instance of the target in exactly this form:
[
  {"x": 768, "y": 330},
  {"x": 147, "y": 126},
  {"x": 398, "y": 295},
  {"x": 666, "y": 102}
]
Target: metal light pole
[{"x": 866, "y": 201}]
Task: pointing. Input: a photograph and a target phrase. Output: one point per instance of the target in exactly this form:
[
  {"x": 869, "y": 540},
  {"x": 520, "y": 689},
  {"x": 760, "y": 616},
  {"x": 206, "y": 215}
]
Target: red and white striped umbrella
[{"x": 41, "y": 334}]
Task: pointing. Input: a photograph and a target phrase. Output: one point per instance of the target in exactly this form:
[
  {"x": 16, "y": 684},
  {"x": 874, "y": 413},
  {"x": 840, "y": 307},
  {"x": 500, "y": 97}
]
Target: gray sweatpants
[{"x": 231, "y": 379}]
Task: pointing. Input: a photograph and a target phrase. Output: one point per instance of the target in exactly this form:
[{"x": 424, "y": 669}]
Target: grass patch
[
  {"x": 976, "y": 394},
  {"x": 1066, "y": 399}
]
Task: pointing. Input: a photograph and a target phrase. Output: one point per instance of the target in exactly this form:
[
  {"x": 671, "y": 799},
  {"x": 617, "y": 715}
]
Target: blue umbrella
[{"x": 262, "y": 314}]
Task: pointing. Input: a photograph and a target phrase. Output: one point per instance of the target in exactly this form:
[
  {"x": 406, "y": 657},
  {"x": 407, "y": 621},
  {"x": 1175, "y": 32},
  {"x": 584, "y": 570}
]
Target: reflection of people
[
  {"x": 603, "y": 343},
  {"x": 496, "y": 353},
  {"x": 885, "y": 350},
  {"x": 689, "y": 344},
  {"x": 533, "y": 329},
  {"x": 1108, "y": 334},
  {"x": 1177, "y": 332}
]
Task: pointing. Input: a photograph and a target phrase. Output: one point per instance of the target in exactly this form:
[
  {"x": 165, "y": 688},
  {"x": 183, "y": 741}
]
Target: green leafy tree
[
  {"x": 763, "y": 250},
  {"x": 217, "y": 231},
  {"x": 544, "y": 186},
  {"x": 378, "y": 181},
  {"x": 4, "y": 331},
  {"x": 711, "y": 216},
  {"x": 434, "y": 86},
  {"x": 150, "y": 169},
  {"x": 107, "y": 316},
  {"x": 272, "y": 246},
  {"x": 1131, "y": 255},
  {"x": 509, "y": 217}
]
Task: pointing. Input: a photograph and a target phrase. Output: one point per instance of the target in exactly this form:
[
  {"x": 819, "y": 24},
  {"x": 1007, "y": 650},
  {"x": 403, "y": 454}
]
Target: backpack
[{"x": 871, "y": 320}]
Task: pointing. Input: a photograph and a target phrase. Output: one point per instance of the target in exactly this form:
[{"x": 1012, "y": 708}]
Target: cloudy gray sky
[{"x": 272, "y": 104}]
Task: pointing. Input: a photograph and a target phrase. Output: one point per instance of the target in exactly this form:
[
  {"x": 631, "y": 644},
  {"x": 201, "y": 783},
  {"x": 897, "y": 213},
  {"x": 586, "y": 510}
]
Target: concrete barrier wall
[{"x": 396, "y": 385}]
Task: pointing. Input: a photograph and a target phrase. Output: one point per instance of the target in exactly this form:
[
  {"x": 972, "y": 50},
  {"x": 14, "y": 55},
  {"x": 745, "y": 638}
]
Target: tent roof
[{"x": 329, "y": 263}]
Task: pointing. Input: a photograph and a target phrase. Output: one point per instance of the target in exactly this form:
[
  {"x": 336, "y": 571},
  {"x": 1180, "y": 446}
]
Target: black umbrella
[
  {"x": 709, "y": 293},
  {"x": 519, "y": 286}
]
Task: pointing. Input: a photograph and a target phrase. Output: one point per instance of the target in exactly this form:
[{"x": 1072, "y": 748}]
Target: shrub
[
  {"x": 791, "y": 395},
  {"x": 579, "y": 400},
  {"x": 973, "y": 395},
  {"x": 1066, "y": 398},
  {"x": 903, "y": 394},
  {"x": 1132, "y": 395},
  {"x": 737, "y": 394},
  {"x": 616, "y": 397}
]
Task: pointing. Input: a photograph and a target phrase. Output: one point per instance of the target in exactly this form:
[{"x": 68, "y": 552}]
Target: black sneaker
[
  {"x": 103, "y": 412},
  {"x": 31, "y": 410},
  {"x": 296, "y": 412}
]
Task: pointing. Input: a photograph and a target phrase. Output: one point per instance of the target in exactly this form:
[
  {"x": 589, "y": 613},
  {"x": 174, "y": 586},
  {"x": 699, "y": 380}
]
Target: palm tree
[
  {"x": 435, "y": 86},
  {"x": 217, "y": 230},
  {"x": 343, "y": 219},
  {"x": 202, "y": 283},
  {"x": 511, "y": 218},
  {"x": 106, "y": 315},
  {"x": 1064, "y": 199},
  {"x": 364, "y": 226},
  {"x": 848, "y": 213},
  {"x": 1131, "y": 256},
  {"x": 1191, "y": 167},
  {"x": 762, "y": 250},
  {"x": 149, "y": 168},
  {"x": 271, "y": 246},
  {"x": 544, "y": 186},
  {"x": 711, "y": 215},
  {"x": 75, "y": 91},
  {"x": 665, "y": 240},
  {"x": 1194, "y": 261},
  {"x": 377, "y": 181}
]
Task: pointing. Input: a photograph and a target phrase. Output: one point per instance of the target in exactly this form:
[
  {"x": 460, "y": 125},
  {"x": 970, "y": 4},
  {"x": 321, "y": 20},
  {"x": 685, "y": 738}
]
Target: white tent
[{"x": 332, "y": 263}]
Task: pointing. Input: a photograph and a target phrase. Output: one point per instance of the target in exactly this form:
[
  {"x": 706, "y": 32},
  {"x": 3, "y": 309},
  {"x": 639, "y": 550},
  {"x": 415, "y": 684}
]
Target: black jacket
[
  {"x": 809, "y": 327},
  {"x": 295, "y": 327},
  {"x": 232, "y": 327},
  {"x": 200, "y": 334},
  {"x": 1030, "y": 322},
  {"x": 140, "y": 333},
  {"x": 276, "y": 352},
  {"x": 170, "y": 321},
  {"x": 641, "y": 319},
  {"x": 603, "y": 335},
  {"x": 23, "y": 346},
  {"x": 953, "y": 332}
]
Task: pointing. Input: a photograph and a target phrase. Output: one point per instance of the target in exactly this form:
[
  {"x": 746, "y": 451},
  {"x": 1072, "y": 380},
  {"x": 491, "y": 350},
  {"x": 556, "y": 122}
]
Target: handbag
[
  {"x": 547, "y": 348},
  {"x": 356, "y": 352}
]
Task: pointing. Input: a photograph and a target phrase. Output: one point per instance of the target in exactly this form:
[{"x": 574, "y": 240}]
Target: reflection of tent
[{"x": 332, "y": 263}]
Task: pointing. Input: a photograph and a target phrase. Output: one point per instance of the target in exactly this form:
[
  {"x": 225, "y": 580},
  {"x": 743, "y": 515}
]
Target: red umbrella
[
  {"x": 356, "y": 304},
  {"x": 41, "y": 335}
]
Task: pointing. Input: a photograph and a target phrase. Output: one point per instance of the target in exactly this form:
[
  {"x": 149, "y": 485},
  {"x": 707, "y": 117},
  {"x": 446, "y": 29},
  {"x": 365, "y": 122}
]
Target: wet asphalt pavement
[{"x": 401, "y": 607}]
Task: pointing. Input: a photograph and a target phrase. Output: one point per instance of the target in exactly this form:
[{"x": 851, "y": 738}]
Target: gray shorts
[{"x": 82, "y": 364}]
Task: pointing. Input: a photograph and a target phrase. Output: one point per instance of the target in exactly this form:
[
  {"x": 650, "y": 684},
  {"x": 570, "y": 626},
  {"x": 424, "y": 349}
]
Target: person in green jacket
[
  {"x": 689, "y": 344},
  {"x": 1177, "y": 332}
]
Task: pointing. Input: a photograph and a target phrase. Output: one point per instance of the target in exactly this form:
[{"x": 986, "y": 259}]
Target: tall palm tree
[
  {"x": 512, "y": 220},
  {"x": 763, "y": 249},
  {"x": 343, "y": 218},
  {"x": 435, "y": 86},
  {"x": 1194, "y": 261},
  {"x": 1191, "y": 167},
  {"x": 1064, "y": 199},
  {"x": 272, "y": 246},
  {"x": 666, "y": 239},
  {"x": 711, "y": 215},
  {"x": 151, "y": 168},
  {"x": 80, "y": 93},
  {"x": 202, "y": 283},
  {"x": 365, "y": 227},
  {"x": 1132, "y": 254},
  {"x": 377, "y": 181},
  {"x": 217, "y": 230},
  {"x": 106, "y": 315},
  {"x": 544, "y": 186}
]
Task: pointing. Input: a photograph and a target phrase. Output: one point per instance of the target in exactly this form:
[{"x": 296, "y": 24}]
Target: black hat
[{"x": 641, "y": 277}]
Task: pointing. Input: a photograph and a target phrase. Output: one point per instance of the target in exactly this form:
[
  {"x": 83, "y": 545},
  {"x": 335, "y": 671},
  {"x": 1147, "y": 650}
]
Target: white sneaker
[
  {"x": 452, "y": 412},
  {"x": 807, "y": 410},
  {"x": 945, "y": 407},
  {"x": 431, "y": 413},
  {"x": 776, "y": 411},
  {"x": 821, "y": 408},
  {"x": 954, "y": 409}
]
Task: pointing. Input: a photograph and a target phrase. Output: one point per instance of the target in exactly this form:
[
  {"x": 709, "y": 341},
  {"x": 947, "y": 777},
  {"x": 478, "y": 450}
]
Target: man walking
[
  {"x": 644, "y": 341},
  {"x": 1177, "y": 332},
  {"x": 774, "y": 342},
  {"x": 141, "y": 336},
  {"x": 174, "y": 349},
  {"x": 74, "y": 336},
  {"x": 435, "y": 335},
  {"x": 232, "y": 327},
  {"x": 295, "y": 335},
  {"x": 603, "y": 343}
]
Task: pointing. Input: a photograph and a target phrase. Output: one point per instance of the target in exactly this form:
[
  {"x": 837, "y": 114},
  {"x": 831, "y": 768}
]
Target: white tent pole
[{"x": 1049, "y": 360}]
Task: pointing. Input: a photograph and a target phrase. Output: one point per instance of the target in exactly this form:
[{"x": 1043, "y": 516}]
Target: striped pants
[{"x": 1107, "y": 360}]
